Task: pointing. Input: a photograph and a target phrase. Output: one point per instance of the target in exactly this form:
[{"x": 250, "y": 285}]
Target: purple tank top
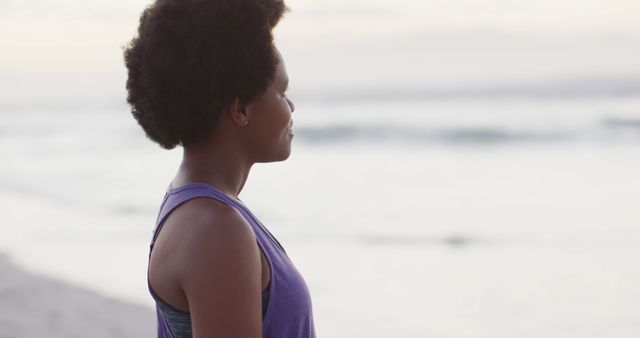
[{"x": 289, "y": 311}]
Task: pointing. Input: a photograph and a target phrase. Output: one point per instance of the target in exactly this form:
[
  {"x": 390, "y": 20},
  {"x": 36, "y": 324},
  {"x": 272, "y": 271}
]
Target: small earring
[{"x": 245, "y": 123}]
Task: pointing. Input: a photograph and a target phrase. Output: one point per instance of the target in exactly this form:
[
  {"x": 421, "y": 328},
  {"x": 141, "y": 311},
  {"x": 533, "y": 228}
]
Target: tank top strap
[{"x": 175, "y": 197}]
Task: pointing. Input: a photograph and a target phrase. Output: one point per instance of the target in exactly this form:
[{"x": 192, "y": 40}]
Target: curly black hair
[{"x": 192, "y": 58}]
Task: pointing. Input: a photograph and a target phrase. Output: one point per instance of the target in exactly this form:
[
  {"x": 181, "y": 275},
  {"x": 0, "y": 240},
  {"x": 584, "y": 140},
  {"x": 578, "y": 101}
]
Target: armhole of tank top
[
  {"x": 270, "y": 285},
  {"x": 244, "y": 213},
  {"x": 156, "y": 232},
  {"x": 163, "y": 326},
  {"x": 248, "y": 216}
]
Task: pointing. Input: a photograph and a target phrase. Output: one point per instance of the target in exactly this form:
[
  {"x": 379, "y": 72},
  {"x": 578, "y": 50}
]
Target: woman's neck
[{"x": 220, "y": 166}]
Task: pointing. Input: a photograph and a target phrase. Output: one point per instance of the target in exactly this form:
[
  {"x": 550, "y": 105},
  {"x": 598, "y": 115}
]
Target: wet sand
[{"x": 33, "y": 306}]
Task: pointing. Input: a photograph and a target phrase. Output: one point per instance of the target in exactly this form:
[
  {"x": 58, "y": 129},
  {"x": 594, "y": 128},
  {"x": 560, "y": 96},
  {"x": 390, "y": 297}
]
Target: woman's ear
[{"x": 238, "y": 113}]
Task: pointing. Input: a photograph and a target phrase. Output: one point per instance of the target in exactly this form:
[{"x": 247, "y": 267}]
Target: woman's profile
[{"x": 205, "y": 75}]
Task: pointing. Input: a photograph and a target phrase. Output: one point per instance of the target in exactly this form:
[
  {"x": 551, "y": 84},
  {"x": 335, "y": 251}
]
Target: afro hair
[{"x": 192, "y": 58}]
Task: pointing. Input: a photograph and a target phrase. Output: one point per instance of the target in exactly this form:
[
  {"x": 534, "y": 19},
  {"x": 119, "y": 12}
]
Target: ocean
[
  {"x": 452, "y": 216},
  {"x": 459, "y": 169}
]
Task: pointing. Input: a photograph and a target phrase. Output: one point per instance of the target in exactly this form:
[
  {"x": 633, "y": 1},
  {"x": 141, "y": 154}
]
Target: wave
[
  {"x": 626, "y": 123},
  {"x": 608, "y": 129},
  {"x": 455, "y": 241},
  {"x": 343, "y": 133},
  {"x": 58, "y": 197}
]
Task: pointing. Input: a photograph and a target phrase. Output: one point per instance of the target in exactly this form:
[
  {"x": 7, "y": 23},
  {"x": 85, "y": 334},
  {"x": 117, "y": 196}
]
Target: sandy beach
[{"x": 32, "y": 306}]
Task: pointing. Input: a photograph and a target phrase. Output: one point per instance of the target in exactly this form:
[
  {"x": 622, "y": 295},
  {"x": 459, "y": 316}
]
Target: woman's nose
[{"x": 293, "y": 106}]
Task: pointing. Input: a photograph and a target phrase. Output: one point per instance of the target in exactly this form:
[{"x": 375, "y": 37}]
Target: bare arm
[{"x": 221, "y": 275}]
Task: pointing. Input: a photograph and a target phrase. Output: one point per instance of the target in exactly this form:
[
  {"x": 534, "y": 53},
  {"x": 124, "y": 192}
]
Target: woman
[{"x": 205, "y": 75}]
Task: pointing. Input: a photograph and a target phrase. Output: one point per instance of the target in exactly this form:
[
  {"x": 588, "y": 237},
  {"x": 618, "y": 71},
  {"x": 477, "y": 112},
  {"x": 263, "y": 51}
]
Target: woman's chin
[{"x": 279, "y": 156}]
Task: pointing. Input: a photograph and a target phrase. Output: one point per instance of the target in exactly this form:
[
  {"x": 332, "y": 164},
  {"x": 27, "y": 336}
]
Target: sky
[{"x": 70, "y": 51}]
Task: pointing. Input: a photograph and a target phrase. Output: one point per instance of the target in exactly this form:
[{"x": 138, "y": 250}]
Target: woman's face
[{"x": 269, "y": 132}]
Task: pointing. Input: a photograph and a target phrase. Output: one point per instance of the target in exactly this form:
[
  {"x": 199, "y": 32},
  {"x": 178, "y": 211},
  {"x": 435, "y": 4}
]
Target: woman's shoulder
[
  {"x": 211, "y": 256},
  {"x": 206, "y": 221},
  {"x": 205, "y": 237}
]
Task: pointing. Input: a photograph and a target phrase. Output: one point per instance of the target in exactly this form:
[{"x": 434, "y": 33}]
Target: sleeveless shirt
[{"x": 287, "y": 309}]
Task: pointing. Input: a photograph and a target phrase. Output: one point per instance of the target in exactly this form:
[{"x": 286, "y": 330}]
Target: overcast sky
[{"x": 57, "y": 51}]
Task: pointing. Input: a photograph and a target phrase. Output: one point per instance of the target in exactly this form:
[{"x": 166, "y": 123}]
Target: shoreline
[{"x": 33, "y": 306}]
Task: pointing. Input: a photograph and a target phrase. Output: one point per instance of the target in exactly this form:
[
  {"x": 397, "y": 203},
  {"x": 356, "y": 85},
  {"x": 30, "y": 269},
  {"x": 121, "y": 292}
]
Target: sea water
[{"x": 451, "y": 217}]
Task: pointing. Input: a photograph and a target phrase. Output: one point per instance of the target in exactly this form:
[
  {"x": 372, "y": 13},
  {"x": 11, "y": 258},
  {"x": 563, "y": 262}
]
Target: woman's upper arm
[{"x": 221, "y": 276}]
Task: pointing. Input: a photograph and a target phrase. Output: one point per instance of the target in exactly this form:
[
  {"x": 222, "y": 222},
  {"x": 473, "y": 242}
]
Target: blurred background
[{"x": 460, "y": 168}]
